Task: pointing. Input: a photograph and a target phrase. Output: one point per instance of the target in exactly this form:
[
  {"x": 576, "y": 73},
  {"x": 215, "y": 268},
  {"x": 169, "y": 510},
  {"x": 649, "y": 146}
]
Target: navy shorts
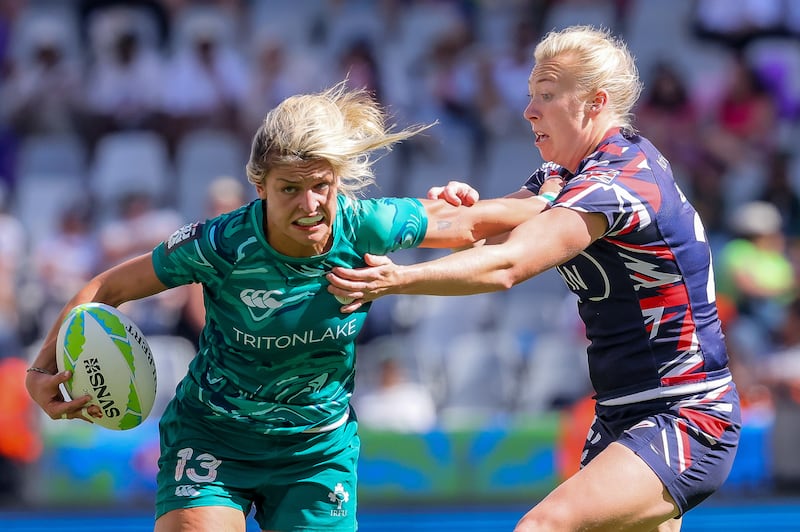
[{"x": 689, "y": 441}]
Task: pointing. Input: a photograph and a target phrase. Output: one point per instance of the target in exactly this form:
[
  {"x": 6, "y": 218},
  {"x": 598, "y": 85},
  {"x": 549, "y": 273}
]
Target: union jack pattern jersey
[{"x": 646, "y": 287}]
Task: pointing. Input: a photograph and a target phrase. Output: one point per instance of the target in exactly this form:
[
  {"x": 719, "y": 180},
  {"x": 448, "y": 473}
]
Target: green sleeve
[{"x": 388, "y": 224}]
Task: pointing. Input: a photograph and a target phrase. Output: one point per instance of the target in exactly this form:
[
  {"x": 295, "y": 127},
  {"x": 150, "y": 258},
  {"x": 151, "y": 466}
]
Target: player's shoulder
[
  {"x": 545, "y": 171},
  {"x": 230, "y": 233},
  {"x": 380, "y": 212},
  {"x": 221, "y": 235},
  {"x": 619, "y": 157}
]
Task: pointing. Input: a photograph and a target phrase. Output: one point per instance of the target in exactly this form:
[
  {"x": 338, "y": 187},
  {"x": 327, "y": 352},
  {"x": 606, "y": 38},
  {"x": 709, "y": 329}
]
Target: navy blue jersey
[{"x": 646, "y": 288}]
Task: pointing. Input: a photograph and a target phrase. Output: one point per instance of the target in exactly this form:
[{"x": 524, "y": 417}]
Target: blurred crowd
[{"x": 120, "y": 120}]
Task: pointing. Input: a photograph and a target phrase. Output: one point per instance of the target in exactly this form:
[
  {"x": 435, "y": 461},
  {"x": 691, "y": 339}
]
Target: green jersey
[{"x": 276, "y": 355}]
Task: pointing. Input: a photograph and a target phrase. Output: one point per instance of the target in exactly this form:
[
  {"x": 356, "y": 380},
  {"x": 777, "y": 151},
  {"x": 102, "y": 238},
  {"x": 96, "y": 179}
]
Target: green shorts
[{"x": 295, "y": 482}]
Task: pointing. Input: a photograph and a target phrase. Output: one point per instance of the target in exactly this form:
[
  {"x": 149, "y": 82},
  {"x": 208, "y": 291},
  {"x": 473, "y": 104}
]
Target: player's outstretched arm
[
  {"x": 484, "y": 225},
  {"x": 450, "y": 226},
  {"x": 535, "y": 246},
  {"x": 130, "y": 280}
]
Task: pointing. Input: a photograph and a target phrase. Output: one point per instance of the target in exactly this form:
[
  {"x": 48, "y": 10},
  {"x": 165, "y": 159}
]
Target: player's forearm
[
  {"x": 134, "y": 279},
  {"x": 454, "y": 227},
  {"x": 472, "y": 271},
  {"x": 502, "y": 215}
]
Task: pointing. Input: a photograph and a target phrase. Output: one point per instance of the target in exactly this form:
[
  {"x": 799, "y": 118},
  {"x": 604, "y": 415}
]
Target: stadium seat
[
  {"x": 172, "y": 355},
  {"x": 479, "y": 372},
  {"x": 131, "y": 161},
  {"x": 439, "y": 155},
  {"x": 54, "y": 155},
  {"x": 48, "y": 20},
  {"x": 201, "y": 156},
  {"x": 511, "y": 161},
  {"x": 39, "y": 199},
  {"x": 290, "y": 21},
  {"x": 568, "y": 13}
]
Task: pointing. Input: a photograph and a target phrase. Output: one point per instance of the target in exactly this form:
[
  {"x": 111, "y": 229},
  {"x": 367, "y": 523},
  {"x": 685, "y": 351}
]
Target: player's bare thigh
[
  {"x": 202, "y": 519},
  {"x": 615, "y": 491}
]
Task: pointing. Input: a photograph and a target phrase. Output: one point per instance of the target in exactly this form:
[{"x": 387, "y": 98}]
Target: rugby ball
[{"x": 110, "y": 360}]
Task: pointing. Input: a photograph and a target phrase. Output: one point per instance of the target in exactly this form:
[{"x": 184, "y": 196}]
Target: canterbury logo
[
  {"x": 257, "y": 300},
  {"x": 261, "y": 298},
  {"x": 186, "y": 491}
]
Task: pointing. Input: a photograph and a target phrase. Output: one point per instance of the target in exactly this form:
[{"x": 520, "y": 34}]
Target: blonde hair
[
  {"x": 341, "y": 126},
  {"x": 600, "y": 61}
]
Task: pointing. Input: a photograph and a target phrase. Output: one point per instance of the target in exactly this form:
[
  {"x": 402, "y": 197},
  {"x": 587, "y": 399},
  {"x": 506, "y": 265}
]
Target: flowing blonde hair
[{"x": 342, "y": 126}]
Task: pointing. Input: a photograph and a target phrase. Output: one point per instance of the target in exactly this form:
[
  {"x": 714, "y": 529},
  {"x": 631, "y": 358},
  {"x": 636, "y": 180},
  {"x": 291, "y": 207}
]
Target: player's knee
[
  {"x": 670, "y": 525},
  {"x": 546, "y": 518}
]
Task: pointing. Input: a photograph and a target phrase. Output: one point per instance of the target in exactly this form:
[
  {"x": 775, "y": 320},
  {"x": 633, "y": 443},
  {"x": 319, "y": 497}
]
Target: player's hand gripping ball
[{"x": 110, "y": 360}]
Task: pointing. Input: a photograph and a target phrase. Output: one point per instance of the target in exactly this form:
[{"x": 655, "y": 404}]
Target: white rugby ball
[{"x": 110, "y": 360}]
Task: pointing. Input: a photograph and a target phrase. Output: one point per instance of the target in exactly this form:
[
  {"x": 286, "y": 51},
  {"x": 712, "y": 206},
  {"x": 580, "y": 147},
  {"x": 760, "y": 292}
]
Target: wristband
[
  {"x": 38, "y": 370},
  {"x": 549, "y": 196}
]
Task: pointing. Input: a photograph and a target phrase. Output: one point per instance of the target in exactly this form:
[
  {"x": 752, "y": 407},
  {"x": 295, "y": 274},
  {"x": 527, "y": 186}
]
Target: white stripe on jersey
[{"x": 668, "y": 391}]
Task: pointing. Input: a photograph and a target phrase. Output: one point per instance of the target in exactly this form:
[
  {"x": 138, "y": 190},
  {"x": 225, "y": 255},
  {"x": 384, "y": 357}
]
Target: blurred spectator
[
  {"x": 746, "y": 120},
  {"x": 13, "y": 252},
  {"x": 737, "y": 26},
  {"x": 780, "y": 191},
  {"x": 396, "y": 403},
  {"x": 43, "y": 92},
  {"x": 780, "y": 372},
  {"x": 276, "y": 73},
  {"x": 224, "y": 195},
  {"x": 154, "y": 11},
  {"x": 755, "y": 276},
  {"x": 64, "y": 261},
  {"x": 20, "y": 443},
  {"x": 361, "y": 68},
  {"x": 454, "y": 84},
  {"x": 705, "y": 188},
  {"x": 668, "y": 117},
  {"x": 510, "y": 71},
  {"x": 205, "y": 82},
  {"x": 124, "y": 86},
  {"x": 140, "y": 226}
]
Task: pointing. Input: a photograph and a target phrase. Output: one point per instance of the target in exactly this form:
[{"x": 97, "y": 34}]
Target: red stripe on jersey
[
  {"x": 686, "y": 378},
  {"x": 633, "y": 224},
  {"x": 668, "y": 296},
  {"x": 648, "y": 192},
  {"x": 613, "y": 149},
  {"x": 666, "y": 318},
  {"x": 686, "y": 339},
  {"x": 661, "y": 252},
  {"x": 683, "y": 434},
  {"x": 709, "y": 424}
]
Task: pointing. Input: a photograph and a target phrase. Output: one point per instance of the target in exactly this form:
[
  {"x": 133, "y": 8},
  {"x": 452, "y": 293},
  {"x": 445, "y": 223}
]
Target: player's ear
[
  {"x": 261, "y": 190},
  {"x": 599, "y": 101}
]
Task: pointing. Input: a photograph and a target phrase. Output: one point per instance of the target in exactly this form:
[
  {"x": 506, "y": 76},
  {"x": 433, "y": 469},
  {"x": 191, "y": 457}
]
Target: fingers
[
  {"x": 376, "y": 260},
  {"x": 553, "y": 184},
  {"x": 462, "y": 195},
  {"x": 352, "y": 307},
  {"x": 86, "y": 416},
  {"x": 75, "y": 408},
  {"x": 435, "y": 192},
  {"x": 86, "y": 412},
  {"x": 456, "y": 193}
]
